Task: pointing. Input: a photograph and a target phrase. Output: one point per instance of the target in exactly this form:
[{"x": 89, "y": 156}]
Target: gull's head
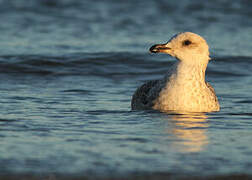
[{"x": 187, "y": 47}]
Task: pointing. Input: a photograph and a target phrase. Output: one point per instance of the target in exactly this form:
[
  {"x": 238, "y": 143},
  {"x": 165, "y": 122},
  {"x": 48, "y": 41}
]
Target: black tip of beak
[
  {"x": 158, "y": 48},
  {"x": 153, "y": 49}
]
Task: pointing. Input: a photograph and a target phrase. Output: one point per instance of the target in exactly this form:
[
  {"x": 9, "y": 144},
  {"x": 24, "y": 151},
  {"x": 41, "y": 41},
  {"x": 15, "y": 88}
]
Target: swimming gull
[{"x": 183, "y": 88}]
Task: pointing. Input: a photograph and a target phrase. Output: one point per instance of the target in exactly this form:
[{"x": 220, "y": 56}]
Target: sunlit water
[{"x": 68, "y": 70}]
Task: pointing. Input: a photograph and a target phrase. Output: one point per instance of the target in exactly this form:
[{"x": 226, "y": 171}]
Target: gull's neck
[{"x": 190, "y": 71}]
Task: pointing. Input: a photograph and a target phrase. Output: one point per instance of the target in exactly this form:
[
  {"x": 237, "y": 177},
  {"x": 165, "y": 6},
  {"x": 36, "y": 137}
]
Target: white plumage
[{"x": 184, "y": 88}]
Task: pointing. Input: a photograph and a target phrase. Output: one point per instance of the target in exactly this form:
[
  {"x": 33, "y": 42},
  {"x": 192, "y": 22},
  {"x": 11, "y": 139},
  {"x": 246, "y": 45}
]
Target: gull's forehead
[{"x": 187, "y": 36}]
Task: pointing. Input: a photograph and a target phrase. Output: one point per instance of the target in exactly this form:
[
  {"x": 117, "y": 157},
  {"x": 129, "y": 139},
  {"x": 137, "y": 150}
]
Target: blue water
[{"x": 68, "y": 70}]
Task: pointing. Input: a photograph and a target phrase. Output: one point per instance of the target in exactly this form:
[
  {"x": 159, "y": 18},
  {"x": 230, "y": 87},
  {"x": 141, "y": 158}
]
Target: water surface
[{"x": 68, "y": 70}]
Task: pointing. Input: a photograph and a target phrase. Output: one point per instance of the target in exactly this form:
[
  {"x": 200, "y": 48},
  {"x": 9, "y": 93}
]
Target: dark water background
[{"x": 68, "y": 69}]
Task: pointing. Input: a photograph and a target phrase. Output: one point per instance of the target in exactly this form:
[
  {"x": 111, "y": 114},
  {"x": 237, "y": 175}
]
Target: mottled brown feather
[
  {"x": 143, "y": 98},
  {"x": 212, "y": 90}
]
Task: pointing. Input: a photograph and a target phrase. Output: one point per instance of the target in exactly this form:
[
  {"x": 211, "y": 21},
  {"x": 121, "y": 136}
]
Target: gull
[{"x": 183, "y": 88}]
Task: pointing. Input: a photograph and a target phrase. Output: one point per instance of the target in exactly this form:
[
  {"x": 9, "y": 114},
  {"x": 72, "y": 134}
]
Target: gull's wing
[
  {"x": 212, "y": 90},
  {"x": 145, "y": 95}
]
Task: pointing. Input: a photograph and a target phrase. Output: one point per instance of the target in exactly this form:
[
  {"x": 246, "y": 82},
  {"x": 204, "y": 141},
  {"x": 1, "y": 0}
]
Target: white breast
[{"x": 186, "y": 90}]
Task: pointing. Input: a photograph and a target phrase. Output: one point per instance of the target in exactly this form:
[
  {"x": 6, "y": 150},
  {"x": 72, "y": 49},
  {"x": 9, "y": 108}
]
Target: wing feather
[{"x": 143, "y": 97}]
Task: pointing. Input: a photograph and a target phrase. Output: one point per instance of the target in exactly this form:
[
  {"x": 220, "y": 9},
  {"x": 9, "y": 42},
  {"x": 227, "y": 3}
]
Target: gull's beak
[{"x": 160, "y": 48}]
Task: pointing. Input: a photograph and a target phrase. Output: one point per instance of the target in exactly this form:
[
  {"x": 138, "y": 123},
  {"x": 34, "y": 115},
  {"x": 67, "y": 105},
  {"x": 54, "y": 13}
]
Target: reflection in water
[{"x": 190, "y": 132}]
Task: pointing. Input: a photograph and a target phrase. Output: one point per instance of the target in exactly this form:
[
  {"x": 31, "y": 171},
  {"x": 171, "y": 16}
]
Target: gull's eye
[{"x": 186, "y": 42}]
